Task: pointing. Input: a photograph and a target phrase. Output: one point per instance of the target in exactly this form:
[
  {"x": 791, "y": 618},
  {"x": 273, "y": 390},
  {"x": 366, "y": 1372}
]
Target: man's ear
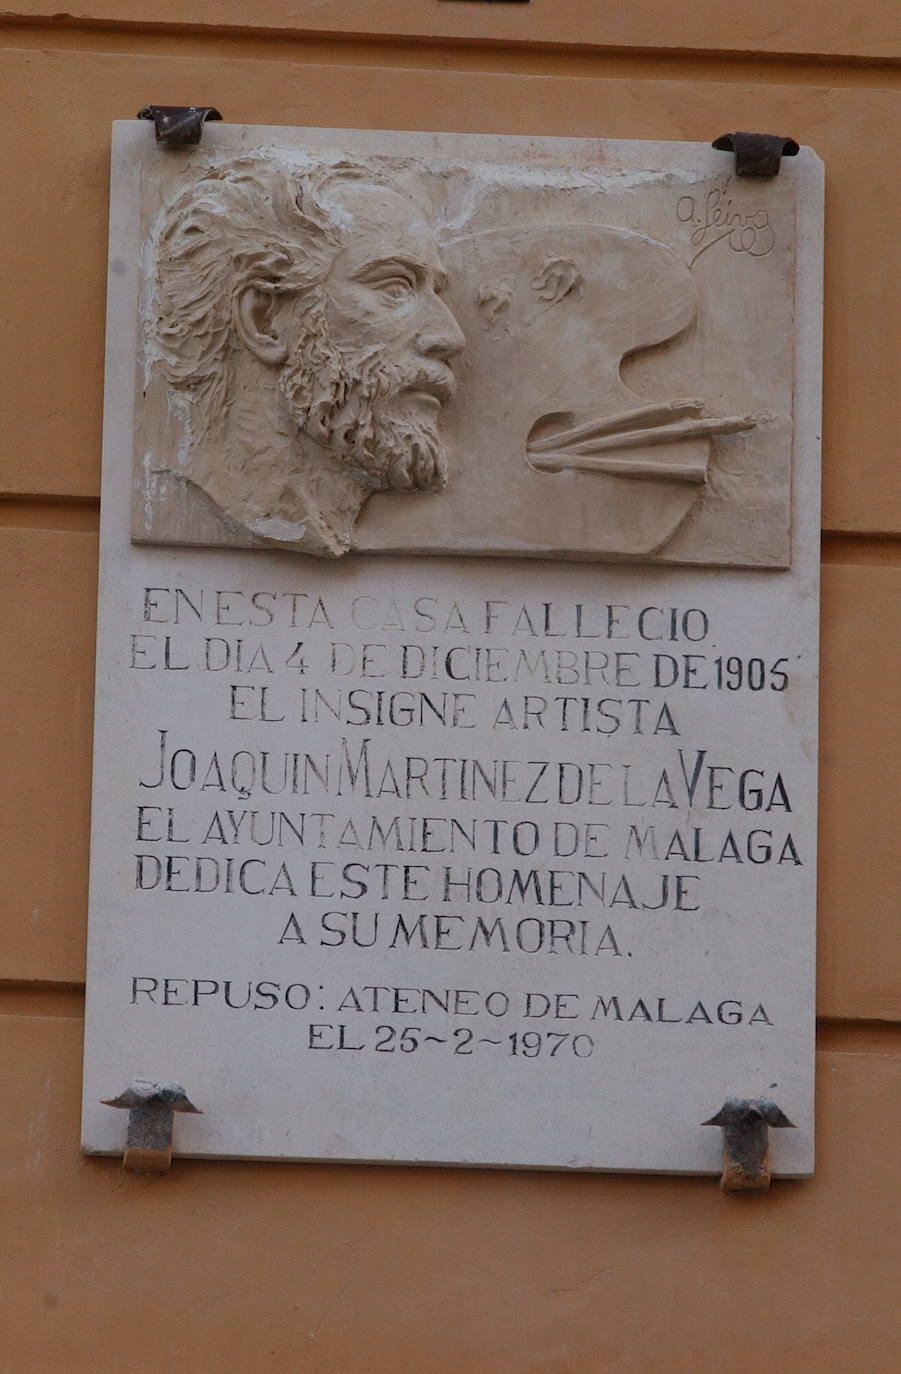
[{"x": 256, "y": 317}]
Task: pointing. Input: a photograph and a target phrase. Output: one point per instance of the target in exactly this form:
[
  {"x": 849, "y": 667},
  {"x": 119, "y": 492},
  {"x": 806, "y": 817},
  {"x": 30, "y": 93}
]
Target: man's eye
[{"x": 395, "y": 289}]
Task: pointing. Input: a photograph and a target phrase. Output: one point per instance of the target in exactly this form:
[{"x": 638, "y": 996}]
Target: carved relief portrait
[
  {"x": 304, "y": 347},
  {"x": 345, "y": 351}
]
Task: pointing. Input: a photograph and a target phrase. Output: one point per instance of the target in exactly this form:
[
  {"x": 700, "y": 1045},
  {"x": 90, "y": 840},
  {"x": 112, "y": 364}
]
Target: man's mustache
[{"x": 435, "y": 379}]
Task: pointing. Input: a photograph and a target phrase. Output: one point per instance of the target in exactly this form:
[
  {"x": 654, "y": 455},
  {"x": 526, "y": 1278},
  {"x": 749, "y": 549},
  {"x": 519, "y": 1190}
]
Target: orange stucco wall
[{"x": 340, "y": 1270}]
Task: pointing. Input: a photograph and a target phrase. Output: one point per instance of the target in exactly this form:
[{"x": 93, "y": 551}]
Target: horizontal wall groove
[
  {"x": 500, "y": 56},
  {"x": 883, "y": 550},
  {"x": 21, "y": 998},
  {"x": 58, "y": 512},
  {"x": 835, "y": 1035},
  {"x": 80, "y": 514},
  {"x": 867, "y": 1037}
]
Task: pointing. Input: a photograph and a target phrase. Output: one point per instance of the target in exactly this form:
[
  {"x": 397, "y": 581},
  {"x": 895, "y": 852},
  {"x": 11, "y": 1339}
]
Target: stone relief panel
[{"x": 341, "y": 350}]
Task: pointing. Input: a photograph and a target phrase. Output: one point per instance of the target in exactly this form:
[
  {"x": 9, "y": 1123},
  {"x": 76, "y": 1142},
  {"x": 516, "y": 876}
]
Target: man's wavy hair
[{"x": 249, "y": 221}]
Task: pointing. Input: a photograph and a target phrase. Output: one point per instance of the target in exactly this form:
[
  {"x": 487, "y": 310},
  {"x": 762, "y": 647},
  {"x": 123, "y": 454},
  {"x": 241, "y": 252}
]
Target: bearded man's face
[{"x": 370, "y": 376}]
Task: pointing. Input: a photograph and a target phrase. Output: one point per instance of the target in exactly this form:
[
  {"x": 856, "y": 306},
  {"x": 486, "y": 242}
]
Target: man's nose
[{"x": 440, "y": 336}]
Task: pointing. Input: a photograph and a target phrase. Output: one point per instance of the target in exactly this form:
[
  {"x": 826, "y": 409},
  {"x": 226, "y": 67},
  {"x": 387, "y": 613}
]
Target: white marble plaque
[{"x": 501, "y": 854}]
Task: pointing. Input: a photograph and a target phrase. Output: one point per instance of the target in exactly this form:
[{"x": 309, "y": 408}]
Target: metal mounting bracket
[
  {"x": 757, "y": 155},
  {"x": 150, "y": 1106},
  {"x": 746, "y": 1142},
  {"x": 178, "y": 126}
]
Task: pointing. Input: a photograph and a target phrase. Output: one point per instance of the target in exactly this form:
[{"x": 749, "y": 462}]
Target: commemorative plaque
[{"x": 455, "y": 756}]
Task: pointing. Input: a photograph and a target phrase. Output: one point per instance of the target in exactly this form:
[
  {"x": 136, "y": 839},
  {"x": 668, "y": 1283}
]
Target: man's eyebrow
[{"x": 392, "y": 260}]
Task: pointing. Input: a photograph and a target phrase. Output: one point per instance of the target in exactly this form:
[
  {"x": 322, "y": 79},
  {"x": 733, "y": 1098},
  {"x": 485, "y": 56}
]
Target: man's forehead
[{"x": 378, "y": 222}]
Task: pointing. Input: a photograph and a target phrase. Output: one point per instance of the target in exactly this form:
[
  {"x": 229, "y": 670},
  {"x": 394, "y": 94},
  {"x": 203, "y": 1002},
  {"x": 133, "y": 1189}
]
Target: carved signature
[{"x": 715, "y": 219}]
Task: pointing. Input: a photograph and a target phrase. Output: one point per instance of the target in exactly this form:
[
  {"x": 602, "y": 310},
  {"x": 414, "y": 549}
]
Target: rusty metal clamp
[
  {"x": 746, "y": 1142},
  {"x": 757, "y": 155},
  {"x": 150, "y": 1106},
  {"x": 178, "y": 126}
]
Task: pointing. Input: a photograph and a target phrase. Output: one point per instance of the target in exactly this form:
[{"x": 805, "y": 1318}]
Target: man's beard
[{"x": 345, "y": 403}]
